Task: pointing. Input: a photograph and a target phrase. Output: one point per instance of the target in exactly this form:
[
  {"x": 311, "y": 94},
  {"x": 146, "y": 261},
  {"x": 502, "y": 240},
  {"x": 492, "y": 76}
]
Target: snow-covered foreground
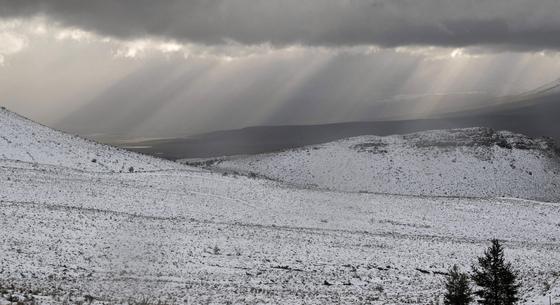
[
  {"x": 472, "y": 162},
  {"x": 74, "y": 234},
  {"x": 196, "y": 236}
]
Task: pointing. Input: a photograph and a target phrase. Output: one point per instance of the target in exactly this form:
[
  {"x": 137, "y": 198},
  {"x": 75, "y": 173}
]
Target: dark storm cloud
[{"x": 501, "y": 24}]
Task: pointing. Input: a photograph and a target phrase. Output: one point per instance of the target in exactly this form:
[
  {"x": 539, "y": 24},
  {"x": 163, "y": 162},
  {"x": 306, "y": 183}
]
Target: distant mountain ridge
[
  {"x": 534, "y": 113},
  {"x": 473, "y": 162},
  {"x": 263, "y": 139}
]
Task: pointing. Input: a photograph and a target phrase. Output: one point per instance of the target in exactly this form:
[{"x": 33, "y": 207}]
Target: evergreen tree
[
  {"x": 496, "y": 278},
  {"x": 458, "y": 291}
]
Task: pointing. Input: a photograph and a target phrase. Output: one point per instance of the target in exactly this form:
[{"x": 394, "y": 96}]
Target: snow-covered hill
[
  {"x": 474, "y": 162},
  {"x": 72, "y": 232},
  {"x": 25, "y": 142}
]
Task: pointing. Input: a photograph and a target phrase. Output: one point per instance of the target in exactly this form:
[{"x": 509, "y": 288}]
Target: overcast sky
[{"x": 166, "y": 68}]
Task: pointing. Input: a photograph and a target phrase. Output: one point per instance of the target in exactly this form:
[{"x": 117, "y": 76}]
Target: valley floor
[{"x": 190, "y": 236}]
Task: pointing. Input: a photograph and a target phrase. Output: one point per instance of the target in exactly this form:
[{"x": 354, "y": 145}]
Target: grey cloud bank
[
  {"x": 502, "y": 24},
  {"x": 169, "y": 68}
]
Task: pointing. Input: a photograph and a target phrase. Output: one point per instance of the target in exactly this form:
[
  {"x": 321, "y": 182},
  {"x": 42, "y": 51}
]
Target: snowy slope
[
  {"x": 26, "y": 142},
  {"x": 474, "y": 162},
  {"x": 75, "y": 234},
  {"x": 202, "y": 238}
]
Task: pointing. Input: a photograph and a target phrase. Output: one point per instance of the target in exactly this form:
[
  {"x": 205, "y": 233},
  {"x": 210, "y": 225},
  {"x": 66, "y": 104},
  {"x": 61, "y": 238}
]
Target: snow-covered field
[
  {"x": 176, "y": 234},
  {"x": 475, "y": 162}
]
